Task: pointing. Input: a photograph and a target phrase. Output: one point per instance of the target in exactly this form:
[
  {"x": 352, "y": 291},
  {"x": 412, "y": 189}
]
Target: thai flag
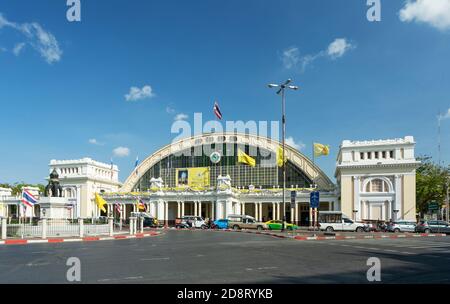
[
  {"x": 217, "y": 110},
  {"x": 142, "y": 206},
  {"x": 28, "y": 199},
  {"x": 118, "y": 208},
  {"x": 136, "y": 164}
]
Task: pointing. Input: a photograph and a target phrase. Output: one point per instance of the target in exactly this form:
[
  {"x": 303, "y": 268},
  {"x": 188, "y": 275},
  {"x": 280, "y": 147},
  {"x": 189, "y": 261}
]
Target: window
[
  {"x": 361, "y": 155},
  {"x": 369, "y": 155},
  {"x": 391, "y": 154},
  {"x": 348, "y": 221},
  {"x": 376, "y": 155},
  {"x": 383, "y": 154},
  {"x": 377, "y": 185}
]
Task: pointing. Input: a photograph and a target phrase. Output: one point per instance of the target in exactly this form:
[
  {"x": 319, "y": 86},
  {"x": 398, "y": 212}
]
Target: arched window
[{"x": 377, "y": 185}]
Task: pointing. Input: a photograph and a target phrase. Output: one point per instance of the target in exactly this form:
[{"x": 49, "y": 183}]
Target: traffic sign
[
  {"x": 433, "y": 205},
  {"x": 293, "y": 196},
  {"x": 314, "y": 199}
]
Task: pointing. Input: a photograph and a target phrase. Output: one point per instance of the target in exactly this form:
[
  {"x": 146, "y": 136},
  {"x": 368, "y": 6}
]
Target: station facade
[{"x": 375, "y": 180}]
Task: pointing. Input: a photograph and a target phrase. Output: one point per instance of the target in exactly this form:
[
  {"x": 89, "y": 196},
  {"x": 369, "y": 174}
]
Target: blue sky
[{"x": 64, "y": 84}]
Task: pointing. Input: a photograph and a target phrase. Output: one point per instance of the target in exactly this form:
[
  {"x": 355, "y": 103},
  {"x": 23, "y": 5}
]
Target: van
[
  {"x": 337, "y": 221},
  {"x": 238, "y": 222}
]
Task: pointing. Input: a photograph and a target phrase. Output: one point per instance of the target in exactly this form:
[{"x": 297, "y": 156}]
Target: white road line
[
  {"x": 37, "y": 264},
  {"x": 133, "y": 278},
  {"x": 390, "y": 250},
  {"x": 155, "y": 259}
]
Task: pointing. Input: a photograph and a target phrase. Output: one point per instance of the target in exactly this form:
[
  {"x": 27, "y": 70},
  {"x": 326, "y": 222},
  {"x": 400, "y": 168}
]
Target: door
[{"x": 347, "y": 225}]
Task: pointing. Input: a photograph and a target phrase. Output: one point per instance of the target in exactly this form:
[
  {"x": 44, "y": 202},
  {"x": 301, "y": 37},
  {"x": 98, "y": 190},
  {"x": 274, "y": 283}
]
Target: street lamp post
[{"x": 281, "y": 91}]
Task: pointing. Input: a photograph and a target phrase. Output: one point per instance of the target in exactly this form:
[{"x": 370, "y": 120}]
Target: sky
[{"x": 112, "y": 85}]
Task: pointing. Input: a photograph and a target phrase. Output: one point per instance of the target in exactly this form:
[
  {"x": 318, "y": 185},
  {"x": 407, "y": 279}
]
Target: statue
[
  {"x": 54, "y": 186},
  {"x": 156, "y": 183},
  {"x": 224, "y": 182}
]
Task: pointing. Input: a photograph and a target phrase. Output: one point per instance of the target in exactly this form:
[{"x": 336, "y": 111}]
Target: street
[{"x": 226, "y": 257}]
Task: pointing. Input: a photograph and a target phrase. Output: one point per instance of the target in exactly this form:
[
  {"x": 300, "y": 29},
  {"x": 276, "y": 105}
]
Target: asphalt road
[{"x": 225, "y": 257}]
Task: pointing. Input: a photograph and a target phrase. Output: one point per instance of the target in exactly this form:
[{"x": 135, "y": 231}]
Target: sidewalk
[{"x": 118, "y": 236}]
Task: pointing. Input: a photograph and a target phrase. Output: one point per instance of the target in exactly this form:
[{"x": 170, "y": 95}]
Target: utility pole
[{"x": 283, "y": 87}]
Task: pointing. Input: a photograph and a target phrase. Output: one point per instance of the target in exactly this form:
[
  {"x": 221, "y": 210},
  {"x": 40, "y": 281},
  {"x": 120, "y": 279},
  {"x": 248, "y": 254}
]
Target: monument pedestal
[{"x": 55, "y": 208}]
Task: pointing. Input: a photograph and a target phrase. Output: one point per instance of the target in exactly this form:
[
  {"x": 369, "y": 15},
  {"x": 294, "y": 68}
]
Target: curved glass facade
[{"x": 265, "y": 174}]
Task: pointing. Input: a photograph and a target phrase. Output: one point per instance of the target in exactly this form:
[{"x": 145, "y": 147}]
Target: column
[
  {"x": 228, "y": 207},
  {"x": 200, "y": 208},
  {"x": 195, "y": 208},
  {"x": 218, "y": 210},
  {"x": 243, "y": 208},
  {"x": 256, "y": 211},
  {"x": 260, "y": 211},
  {"x": 296, "y": 213},
  {"x": 398, "y": 198},
  {"x": 182, "y": 209},
  {"x": 389, "y": 210},
  {"x": 3, "y": 233},
  {"x": 166, "y": 213},
  {"x": 357, "y": 201},
  {"x": 212, "y": 210}
]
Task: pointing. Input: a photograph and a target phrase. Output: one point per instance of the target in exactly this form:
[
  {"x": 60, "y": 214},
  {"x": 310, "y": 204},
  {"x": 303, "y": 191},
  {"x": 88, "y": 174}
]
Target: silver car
[{"x": 402, "y": 226}]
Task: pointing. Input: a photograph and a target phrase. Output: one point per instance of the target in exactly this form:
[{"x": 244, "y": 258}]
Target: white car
[
  {"x": 343, "y": 224},
  {"x": 196, "y": 221}
]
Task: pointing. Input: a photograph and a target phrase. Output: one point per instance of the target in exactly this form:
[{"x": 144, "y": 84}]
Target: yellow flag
[
  {"x": 246, "y": 159},
  {"x": 320, "y": 149},
  {"x": 100, "y": 202},
  {"x": 280, "y": 156}
]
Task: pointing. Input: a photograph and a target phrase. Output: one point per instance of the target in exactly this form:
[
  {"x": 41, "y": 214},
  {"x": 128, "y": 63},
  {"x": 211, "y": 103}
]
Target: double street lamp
[{"x": 282, "y": 88}]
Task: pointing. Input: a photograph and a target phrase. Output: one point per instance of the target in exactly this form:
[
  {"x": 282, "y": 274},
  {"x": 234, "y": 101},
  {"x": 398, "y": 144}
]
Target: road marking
[
  {"x": 37, "y": 264},
  {"x": 155, "y": 259},
  {"x": 133, "y": 278},
  {"x": 390, "y": 250}
]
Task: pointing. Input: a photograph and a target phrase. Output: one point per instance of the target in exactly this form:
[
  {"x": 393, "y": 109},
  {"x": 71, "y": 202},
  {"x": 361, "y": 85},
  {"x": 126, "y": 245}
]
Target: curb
[
  {"x": 85, "y": 239},
  {"x": 321, "y": 238},
  {"x": 339, "y": 237}
]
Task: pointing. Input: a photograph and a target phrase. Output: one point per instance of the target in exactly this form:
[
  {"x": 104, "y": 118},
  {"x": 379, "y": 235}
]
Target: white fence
[{"x": 48, "y": 228}]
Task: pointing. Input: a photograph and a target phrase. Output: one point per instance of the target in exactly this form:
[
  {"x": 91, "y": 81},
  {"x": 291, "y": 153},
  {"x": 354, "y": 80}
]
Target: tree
[
  {"x": 431, "y": 184},
  {"x": 17, "y": 187}
]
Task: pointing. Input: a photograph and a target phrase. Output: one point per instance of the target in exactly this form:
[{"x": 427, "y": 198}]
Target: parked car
[
  {"x": 401, "y": 226},
  {"x": 238, "y": 222},
  {"x": 336, "y": 221},
  {"x": 192, "y": 221},
  {"x": 151, "y": 222},
  {"x": 221, "y": 224},
  {"x": 433, "y": 226},
  {"x": 276, "y": 225}
]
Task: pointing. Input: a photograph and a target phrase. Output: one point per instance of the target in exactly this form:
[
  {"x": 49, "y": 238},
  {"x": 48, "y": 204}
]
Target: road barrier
[{"x": 51, "y": 228}]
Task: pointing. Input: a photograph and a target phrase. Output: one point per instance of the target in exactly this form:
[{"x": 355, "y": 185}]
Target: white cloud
[
  {"x": 433, "y": 12},
  {"x": 291, "y": 57},
  {"x": 338, "y": 48},
  {"x": 18, "y": 48},
  {"x": 139, "y": 94},
  {"x": 121, "y": 152},
  {"x": 445, "y": 116},
  {"x": 181, "y": 116},
  {"x": 41, "y": 40},
  {"x": 291, "y": 142},
  {"x": 94, "y": 141},
  {"x": 170, "y": 110}
]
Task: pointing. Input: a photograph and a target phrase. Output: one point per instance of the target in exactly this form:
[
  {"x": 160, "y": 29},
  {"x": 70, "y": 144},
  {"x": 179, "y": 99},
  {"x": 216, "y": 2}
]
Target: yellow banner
[{"x": 193, "y": 177}]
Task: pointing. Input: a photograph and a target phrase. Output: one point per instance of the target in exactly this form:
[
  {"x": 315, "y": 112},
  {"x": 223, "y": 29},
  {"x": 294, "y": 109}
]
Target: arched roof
[{"x": 311, "y": 170}]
